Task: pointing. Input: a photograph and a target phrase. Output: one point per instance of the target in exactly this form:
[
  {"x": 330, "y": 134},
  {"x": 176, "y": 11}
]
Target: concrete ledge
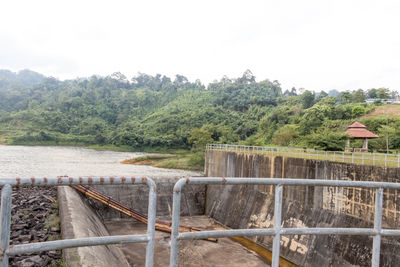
[{"x": 79, "y": 220}]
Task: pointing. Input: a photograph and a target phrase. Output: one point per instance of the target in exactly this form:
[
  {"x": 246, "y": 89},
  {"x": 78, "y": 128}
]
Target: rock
[
  {"x": 25, "y": 263},
  {"x": 20, "y": 226},
  {"x": 55, "y": 229},
  {"x": 35, "y": 259},
  {"x": 32, "y": 261},
  {"x": 25, "y": 238},
  {"x": 15, "y": 234}
]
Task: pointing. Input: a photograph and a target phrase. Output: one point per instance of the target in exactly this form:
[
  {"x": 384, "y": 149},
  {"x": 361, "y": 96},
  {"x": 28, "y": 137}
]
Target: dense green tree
[
  {"x": 154, "y": 111},
  {"x": 358, "y": 96},
  {"x": 199, "y": 138},
  {"x": 307, "y": 99},
  {"x": 358, "y": 111},
  {"x": 327, "y": 141}
]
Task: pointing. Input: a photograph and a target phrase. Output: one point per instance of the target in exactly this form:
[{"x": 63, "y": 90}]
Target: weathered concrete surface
[
  {"x": 192, "y": 253},
  {"x": 137, "y": 197},
  {"x": 78, "y": 220},
  {"x": 252, "y": 206}
]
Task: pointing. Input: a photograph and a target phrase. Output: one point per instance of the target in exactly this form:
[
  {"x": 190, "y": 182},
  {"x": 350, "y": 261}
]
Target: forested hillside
[{"x": 159, "y": 112}]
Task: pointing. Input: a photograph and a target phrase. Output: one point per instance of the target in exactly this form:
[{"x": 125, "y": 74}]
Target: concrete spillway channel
[{"x": 83, "y": 217}]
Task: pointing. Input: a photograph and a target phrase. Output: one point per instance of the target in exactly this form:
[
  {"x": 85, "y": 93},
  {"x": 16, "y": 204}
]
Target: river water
[{"x": 53, "y": 161}]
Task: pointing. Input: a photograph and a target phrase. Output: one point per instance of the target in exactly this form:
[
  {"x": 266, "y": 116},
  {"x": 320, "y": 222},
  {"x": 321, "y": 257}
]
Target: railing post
[
  {"x": 352, "y": 157},
  {"x": 362, "y": 158},
  {"x": 277, "y": 226},
  {"x": 343, "y": 157},
  {"x": 373, "y": 160},
  {"x": 5, "y": 217},
  {"x": 398, "y": 161},
  {"x": 334, "y": 156},
  {"x": 176, "y": 210},
  {"x": 376, "y": 246},
  {"x": 151, "y": 220},
  {"x": 385, "y": 160}
]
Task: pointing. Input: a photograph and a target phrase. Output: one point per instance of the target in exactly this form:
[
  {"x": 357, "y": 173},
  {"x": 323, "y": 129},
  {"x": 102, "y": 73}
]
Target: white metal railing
[
  {"x": 364, "y": 158},
  {"x": 277, "y": 231},
  {"x": 5, "y": 218}
]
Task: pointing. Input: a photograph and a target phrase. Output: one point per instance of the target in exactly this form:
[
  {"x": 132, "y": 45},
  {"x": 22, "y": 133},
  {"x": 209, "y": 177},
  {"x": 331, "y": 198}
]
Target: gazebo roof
[{"x": 358, "y": 130}]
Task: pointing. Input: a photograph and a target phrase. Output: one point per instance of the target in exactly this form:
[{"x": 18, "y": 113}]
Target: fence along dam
[{"x": 241, "y": 207}]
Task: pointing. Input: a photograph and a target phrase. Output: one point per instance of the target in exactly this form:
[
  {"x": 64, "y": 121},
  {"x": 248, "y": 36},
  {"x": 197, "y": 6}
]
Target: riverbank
[{"x": 184, "y": 160}]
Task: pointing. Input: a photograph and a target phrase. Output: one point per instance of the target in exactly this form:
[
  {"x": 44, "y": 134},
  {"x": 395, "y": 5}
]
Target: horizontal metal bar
[
  {"x": 390, "y": 232},
  {"x": 284, "y": 231},
  {"x": 225, "y": 233},
  {"x": 328, "y": 231},
  {"x": 284, "y": 181},
  {"x": 72, "y": 243},
  {"x": 65, "y": 180}
]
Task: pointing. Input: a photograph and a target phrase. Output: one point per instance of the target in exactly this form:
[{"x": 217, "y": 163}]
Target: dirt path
[{"x": 391, "y": 110}]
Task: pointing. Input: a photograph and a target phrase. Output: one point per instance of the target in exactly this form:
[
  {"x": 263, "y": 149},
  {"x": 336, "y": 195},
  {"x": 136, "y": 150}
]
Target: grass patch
[
  {"x": 184, "y": 160},
  {"x": 53, "y": 221},
  {"x": 59, "y": 263},
  {"x": 112, "y": 148},
  {"x": 143, "y": 160}
]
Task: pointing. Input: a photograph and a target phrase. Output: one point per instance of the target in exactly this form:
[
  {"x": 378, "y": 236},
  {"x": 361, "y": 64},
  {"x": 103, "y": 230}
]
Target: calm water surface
[{"x": 50, "y": 161}]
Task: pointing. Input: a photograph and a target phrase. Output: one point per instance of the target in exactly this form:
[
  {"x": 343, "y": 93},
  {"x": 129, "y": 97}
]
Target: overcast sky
[{"x": 317, "y": 45}]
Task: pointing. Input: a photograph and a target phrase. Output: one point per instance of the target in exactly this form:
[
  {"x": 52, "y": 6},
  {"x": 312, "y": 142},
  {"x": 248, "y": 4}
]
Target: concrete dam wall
[
  {"x": 251, "y": 206},
  {"x": 137, "y": 197}
]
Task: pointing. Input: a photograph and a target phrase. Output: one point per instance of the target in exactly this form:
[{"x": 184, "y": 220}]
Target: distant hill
[
  {"x": 24, "y": 77},
  {"x": 158, "y": 111},
  {"x": 390, "y": 110}
]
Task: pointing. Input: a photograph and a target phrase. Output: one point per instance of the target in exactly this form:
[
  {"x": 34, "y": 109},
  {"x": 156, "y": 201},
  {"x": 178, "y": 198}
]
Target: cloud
[{"x": 318, "y": 45}]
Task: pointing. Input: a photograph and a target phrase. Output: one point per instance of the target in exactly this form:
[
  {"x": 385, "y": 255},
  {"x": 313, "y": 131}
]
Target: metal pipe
[
  {"x": 5, "y": 217},
  {"x": 73, "y": 243},
  {"x": 283, "y": 231},
  {"x": 176, "y": 209},
  {"x": 225, "y": 233},
  {"x": 151, "y": 221},
  {"x": 72, "y": 181},
  {"x": 287, "y": 181},
  {"x": 376, "y": 245},
  {"x": 276, "y": 245}
]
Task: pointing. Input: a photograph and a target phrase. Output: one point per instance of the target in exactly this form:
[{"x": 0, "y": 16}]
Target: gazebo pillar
[
  {"x": 365, "y": 144},
  {"x": 348, "y": 142}
]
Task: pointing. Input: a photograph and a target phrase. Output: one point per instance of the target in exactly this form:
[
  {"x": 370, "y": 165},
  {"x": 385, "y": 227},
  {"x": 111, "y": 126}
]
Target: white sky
[{"x": 317, "y": 44}]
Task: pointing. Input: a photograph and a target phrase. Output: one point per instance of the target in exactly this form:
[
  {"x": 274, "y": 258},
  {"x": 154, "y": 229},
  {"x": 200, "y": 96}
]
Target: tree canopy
[{"x": 158, "y": 111}]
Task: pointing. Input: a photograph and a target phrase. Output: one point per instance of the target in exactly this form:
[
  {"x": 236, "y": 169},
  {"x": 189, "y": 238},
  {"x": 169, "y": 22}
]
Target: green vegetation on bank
[
  {"x": 160, "y": 114},
  {"x": 179, "y": 159}
]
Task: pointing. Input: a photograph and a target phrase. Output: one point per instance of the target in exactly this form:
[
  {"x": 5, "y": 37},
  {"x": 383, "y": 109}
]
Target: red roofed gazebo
[{"x": 359, "y": 131}]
